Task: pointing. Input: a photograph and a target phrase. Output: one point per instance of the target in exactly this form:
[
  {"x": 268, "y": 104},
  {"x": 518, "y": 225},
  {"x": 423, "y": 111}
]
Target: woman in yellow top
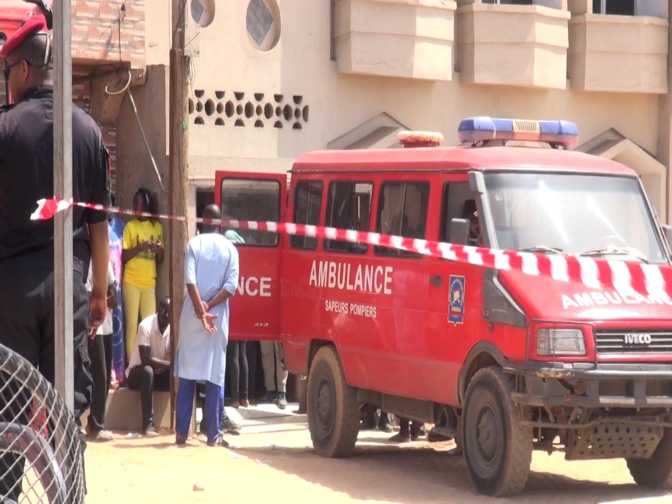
[{"x": 143, "y": 250}]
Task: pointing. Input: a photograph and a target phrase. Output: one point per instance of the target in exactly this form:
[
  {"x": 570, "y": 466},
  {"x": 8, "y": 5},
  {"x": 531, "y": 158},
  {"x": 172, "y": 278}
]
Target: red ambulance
[
  {"x": 505, "y": 362},
  {"x": 12, "y": 14}
]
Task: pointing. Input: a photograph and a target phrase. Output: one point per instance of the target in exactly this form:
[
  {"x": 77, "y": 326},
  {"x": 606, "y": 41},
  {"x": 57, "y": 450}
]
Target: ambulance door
[
  {"x": 455, "y": 294},
  {"x": 255, "y": 309}
]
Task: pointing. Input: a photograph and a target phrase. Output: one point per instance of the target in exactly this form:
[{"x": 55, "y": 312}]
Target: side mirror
[
  {"x": 668, "y": 234},
  {"x": 459, "y": 231}
]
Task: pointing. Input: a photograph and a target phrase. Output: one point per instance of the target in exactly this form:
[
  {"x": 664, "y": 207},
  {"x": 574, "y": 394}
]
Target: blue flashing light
[{"x": 481, "y": 129}]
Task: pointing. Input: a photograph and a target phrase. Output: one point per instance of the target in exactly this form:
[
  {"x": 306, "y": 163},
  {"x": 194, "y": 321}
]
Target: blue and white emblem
[{"x": 456, "y": 299}]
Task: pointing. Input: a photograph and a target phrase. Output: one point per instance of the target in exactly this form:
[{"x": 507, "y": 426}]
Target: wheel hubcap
[
  {"x": 324, "y": 403},
  {"x": 487, "y": 434}
]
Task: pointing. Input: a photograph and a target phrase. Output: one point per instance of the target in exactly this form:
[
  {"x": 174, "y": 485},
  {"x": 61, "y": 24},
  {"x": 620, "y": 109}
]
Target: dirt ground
[{"x": 275, "y": 463}]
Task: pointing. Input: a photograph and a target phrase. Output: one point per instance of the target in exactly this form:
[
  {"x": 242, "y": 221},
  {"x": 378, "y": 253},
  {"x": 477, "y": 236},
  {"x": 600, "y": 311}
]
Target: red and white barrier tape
[{"x": 625, "y": 277}]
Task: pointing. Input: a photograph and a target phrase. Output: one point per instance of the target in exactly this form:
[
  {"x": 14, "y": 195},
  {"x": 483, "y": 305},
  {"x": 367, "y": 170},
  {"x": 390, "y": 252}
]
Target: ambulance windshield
[{"x": 573, "y": 213}]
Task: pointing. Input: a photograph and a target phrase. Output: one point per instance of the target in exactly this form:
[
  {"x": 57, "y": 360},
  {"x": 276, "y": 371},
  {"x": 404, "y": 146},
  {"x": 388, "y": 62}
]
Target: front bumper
[{"x": 632, "y": 386}]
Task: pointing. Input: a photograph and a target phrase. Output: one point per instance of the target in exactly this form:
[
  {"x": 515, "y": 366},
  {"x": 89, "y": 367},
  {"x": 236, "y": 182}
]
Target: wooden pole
[
  {"x": 178, "y": 162},
  {"x": 63, "y": 312}
]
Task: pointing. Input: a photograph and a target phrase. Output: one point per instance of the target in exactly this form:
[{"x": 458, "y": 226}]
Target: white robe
[{"x": 211, "y": 263}]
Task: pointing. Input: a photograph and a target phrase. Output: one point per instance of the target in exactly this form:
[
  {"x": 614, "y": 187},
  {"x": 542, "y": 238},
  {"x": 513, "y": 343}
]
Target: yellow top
[{"x": 141, "y": 270}]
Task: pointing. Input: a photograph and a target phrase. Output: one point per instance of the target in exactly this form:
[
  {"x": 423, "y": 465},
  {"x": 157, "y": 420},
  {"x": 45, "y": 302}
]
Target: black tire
[
  {"x": 333, "y": 412},
  {"x": 655, "y": 472},
  {"x": 497, "y": 449}
]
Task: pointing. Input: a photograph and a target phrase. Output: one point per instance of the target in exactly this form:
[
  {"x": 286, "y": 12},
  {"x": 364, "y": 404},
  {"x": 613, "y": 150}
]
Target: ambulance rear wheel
[
  {"x": 655, "y": 472},
  {"x": 497, "y": 449},
  {"x": 333, "y": 413}
]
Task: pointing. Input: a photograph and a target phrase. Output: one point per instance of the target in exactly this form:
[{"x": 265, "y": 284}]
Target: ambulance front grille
[{"x": 654, "y": 341}]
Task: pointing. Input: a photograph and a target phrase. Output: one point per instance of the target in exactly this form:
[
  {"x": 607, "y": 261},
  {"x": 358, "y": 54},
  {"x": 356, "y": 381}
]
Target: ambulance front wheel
[
  {"x": 333, "y": 413},
  {"x": 497, "y": 449}
]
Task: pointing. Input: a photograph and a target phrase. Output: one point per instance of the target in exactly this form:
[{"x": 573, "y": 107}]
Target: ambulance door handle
[{"x": 436, "y": 280}]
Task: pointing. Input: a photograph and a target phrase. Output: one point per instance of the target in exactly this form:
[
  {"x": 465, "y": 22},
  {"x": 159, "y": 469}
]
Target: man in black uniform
[{"x": 27, "y": 247}]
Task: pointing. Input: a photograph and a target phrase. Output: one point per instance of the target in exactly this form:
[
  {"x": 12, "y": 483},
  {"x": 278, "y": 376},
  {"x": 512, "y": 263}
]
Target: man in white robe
[{"x": 211, "y": 274}]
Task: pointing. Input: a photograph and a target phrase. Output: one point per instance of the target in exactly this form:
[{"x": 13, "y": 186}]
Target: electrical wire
[
  {"x": 144, "y": 137},
  {"x": 123, "y": 90},
  {"x": 127, "y": 89},
  {"x": 183, "y": 8},
  {"x": 193, "y": 68}
]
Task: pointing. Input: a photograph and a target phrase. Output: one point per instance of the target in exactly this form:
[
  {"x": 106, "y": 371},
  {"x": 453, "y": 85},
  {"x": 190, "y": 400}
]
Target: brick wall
[
  {"x": 110, "y": 138},
  {"x": 81, "y": 96},
  {"x": 95, "y": 31},
  {"x": 95, "y": 40}
]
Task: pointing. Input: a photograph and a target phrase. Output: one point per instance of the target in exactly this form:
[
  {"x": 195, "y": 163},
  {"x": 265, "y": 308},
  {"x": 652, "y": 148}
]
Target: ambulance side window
[
  {"x": 402, "y": 211},
  {"x": 348, "y": 207},
  {"x": 251, "y": 199},
  {"x": 455, "y": 197},
  {"x": 307, "y": 206}
]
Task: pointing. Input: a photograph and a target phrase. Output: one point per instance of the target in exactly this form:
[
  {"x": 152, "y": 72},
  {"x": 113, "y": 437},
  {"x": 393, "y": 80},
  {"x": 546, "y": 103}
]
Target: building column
[{"x": 665, "y": 133}]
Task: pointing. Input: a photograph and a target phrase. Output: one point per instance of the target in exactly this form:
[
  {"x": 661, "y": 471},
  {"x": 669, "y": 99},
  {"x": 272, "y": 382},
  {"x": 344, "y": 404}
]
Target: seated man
[
  {"x": 149, "y": 367},
  {"x": 470, "y": 213}
]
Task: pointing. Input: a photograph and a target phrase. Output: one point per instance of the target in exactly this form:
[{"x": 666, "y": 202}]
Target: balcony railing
[
  {"x": 618, "y": 50},
  {"x": 517, "y": 43},
  {"x": 394, "y": 38}
]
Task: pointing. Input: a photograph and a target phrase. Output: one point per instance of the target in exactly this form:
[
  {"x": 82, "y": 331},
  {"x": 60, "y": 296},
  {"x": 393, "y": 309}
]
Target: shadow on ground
[{"x": 382, "y": 471}]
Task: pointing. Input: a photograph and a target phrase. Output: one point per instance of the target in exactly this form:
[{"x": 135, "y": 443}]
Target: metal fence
[{"x": 41, "y": 448}]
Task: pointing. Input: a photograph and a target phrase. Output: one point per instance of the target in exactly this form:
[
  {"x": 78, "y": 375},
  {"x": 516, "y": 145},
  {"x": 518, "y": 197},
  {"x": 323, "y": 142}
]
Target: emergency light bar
[{"x": 483, "y": 129}]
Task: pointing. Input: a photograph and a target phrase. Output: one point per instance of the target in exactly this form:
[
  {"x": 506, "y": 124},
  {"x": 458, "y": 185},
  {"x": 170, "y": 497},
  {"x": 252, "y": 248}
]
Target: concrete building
[{"x": 274, "y": 78}]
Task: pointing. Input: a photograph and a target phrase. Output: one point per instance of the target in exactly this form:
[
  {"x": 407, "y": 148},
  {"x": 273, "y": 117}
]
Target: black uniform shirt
[{"x": 27, "y": 175}]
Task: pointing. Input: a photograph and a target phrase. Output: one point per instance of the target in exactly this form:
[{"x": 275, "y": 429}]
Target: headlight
[{"x": 560, "y": 342}]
